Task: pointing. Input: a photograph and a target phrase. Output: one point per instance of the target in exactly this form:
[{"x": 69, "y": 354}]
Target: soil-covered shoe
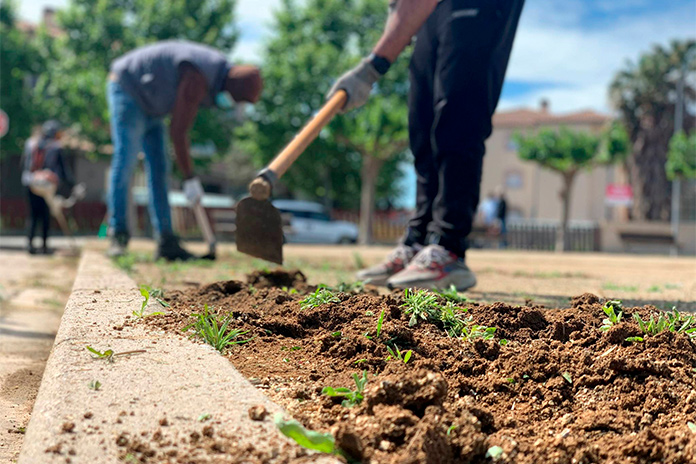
[
  {"x": 434, "y": 268},
  {"x": 170, "y": 249},
  {"x": 394, "y": 263},
  {"x": 118, "y": 246}
]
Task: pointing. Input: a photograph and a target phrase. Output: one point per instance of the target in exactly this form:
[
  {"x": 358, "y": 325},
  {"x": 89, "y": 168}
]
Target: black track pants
[
  {"x": 39, "y": 213},
  {"x": 457, "y": 73}
]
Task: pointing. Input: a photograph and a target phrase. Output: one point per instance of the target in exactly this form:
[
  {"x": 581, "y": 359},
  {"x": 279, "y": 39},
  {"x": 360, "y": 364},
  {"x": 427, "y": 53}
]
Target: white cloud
[{"x": 585, "y": 59}]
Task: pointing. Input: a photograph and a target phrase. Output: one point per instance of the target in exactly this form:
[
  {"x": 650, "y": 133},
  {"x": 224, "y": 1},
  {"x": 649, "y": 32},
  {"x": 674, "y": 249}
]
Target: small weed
[
  {"x": 319, "y": 297},
  {"x": 672, "y": 322},
  {"x": 451, "y": 429},
  {"x": 380, "y": 321},
  {"x": 216, "y": 332},
  {"x": 614, "y": 312},
  {"x": 673, "y": 286},
  {"x": 634, "y": 339},
  {"x": 145, "y": 292},
  {"x": 107, "y": 354},
  {"x": 351, "y": 397},
  {"x": 654, "y": 289},
  {"x": 346, "y": 287},
  {"x": 471, "y": 332},
  {"x": 503, "y": 342},
  {"x": 494, "y": 452},
  {"x": 125, "y": 262},
  {"x": 94, "y": 385},
  {"x": 204, "y": 417},
  {"x": 395, "y": 353},
  {"x": 451, "y": 294},
  {"x": 360, "y": 361},
  {"x": 420, "y": 305},
  {"x": 452, "y": 320},
  {"x": 692, "y": 427},
  {"x": 336, "y": 334},
  {"x": 511, "y": 380},
  {"x": 157, "y": 294},
  {"x": 290, "y": 291},
  {"x": 322, "y": 442},
  {"x": 358, "y": 260}
]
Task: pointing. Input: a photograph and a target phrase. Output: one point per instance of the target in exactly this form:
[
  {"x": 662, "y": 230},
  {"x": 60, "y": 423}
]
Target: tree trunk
[
  {"x": 562, "y": 242},
  {"x": 368, "y": 182}
]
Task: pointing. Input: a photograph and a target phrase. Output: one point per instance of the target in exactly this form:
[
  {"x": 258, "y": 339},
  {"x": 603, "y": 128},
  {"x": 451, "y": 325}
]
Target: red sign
[
  {"x": 618, "y": 195},
  {"x": 4, "y": 123}
]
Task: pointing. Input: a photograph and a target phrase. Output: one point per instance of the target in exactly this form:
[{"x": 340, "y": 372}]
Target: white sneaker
[
  {"x": 395, "y": 262},
  {"x": 434, "y": 268}
]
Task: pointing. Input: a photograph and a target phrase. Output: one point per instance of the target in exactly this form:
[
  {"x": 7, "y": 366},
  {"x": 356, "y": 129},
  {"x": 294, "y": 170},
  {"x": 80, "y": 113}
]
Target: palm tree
[{"x": 645, "y": 95}]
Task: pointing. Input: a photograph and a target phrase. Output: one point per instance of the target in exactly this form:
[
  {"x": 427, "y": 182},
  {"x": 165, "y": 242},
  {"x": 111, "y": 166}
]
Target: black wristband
[{"x": 380, "y": 63}]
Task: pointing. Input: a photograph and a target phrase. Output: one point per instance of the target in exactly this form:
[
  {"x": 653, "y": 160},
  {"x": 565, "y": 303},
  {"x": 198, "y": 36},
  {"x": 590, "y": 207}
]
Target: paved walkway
[{"x": 33, "y": 293}]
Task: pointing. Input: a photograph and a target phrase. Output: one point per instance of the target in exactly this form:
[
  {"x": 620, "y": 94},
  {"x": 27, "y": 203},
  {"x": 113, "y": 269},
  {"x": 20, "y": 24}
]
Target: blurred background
[{"x": 622, "y": 68}]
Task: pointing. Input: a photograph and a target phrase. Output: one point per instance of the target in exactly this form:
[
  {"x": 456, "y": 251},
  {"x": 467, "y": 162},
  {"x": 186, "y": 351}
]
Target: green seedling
[
  {"x": 144, "y": 291},
  {"x": 320, "y": 296},
  {"x": 351, "y": 397},
  {"x": 95, "y": 385},
  {"x": 322, "y": 442},
  {"x": 452, "y": 320},
  {"x": 503, "y": 342},
  {"x": 358, "y": 260},
  {"x": 125, "y": 262},
  {"x": 290, "y": 291},
  {"x": 451, "y": 429},
  {"x": 348, "y": 287},
  {"x": 395, "y": 353},
  {"x": 158, "y": 295},
  {"x": 109, "y": 354},
  {"x": 692, "y": 427},
  {"x": 472, "y": 332},
  {"x": 215, "y": 332},
  {"x": 380, "y": 321},
  {"x": 336, "y": 334},
  {"x": 672, "y": 322},
  {"x": 567, "y": 377},
  {"x": 420, "y": 305},
  {"x": 360, "y": 361},
  {"x": 634, "y": 339},
  {"x": 451, "y": 294},
  {"x": 204, "y": 417},
  {"x": 614, "y": 312}
]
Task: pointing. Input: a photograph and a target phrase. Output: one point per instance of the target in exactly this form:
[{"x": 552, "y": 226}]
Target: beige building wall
[{"x": 532, "y": 192}]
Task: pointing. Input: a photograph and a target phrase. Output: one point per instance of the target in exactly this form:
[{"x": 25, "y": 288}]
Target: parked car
[{"x": 308, "y": 222}]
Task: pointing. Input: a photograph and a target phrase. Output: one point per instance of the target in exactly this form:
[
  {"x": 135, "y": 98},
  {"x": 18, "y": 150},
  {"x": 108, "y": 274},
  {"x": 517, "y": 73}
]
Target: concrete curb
[{"x": 174, "y": 379}]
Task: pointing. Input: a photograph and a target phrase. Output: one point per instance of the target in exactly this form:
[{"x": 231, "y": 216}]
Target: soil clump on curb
[{"x": 549, "y": 386}]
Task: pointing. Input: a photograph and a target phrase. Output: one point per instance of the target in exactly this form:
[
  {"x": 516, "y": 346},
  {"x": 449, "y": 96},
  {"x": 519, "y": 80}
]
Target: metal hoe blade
[{"x": 259, "y": 230}]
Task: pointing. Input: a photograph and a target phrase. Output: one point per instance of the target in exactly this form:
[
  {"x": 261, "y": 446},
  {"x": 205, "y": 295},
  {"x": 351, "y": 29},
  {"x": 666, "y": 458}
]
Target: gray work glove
[
  {"x": 357, "y": 83},
  {"x": 193, "y": 190}
]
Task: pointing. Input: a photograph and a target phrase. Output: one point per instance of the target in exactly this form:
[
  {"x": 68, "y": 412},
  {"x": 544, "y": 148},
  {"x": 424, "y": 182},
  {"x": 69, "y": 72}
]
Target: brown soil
[{"x": 560, "y": 391}]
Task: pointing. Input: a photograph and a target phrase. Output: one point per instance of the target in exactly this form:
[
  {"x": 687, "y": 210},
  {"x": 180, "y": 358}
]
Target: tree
[
  {"x": 98, "y": 31},
  {"x": 681, "y": 158},
  {"x": 312, "y": 45},
  {"x": 19, "y": 61},
  {"x": 645, "y": 94},
  {"x": 568, "y": 152}
]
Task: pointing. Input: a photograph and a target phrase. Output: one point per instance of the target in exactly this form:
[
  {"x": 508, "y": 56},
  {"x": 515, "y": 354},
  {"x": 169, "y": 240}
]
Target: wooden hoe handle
[{"x": 294, "y": 149}]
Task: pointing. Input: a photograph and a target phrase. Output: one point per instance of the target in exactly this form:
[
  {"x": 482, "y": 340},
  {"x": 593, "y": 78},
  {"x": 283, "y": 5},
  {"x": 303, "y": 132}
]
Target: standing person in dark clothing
[
  {"x": 44, "y": 168},
  {"x": 501, "y": 216},
  {"x": 145, "y": 85},
  {"x": 457, "y": 71}
]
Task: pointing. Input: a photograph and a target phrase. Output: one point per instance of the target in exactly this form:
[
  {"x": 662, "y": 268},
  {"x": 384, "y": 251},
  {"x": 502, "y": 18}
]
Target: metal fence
[{"x": 536, "y": 235}]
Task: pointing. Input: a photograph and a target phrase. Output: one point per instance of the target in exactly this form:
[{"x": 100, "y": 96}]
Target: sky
[{"x": 566, "y": 51}]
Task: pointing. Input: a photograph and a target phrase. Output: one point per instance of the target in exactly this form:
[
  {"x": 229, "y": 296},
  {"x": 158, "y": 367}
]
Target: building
[{"x": 533, "y": 192}]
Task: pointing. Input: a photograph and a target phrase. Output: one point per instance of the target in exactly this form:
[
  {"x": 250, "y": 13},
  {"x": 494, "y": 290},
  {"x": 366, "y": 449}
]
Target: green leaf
[
  {"x": 322, "y": 442},
  {"x": 494, "y": 452},
  {"x": 634, "y": 339},
  {"x": 379, "y": 323},
  {"x": 407, "y": 356},
  {"x": 692, "y": 427},
  {"x": 569, "y": 379}
]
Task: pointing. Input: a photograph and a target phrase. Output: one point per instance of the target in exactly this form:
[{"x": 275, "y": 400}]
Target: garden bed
[{"x": 544, "y": 386}]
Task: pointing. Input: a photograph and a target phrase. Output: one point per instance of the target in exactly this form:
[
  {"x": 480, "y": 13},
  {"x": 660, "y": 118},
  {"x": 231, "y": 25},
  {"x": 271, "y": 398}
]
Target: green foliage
[
  {"x": 322, "y": 442},
  {"x": 395, "y": 353},
  {"x": 73, "y": 86},
  {"x": 20, "y": 61},
  {"x": 452, "y": 295},
  {"x": 145, "y": 292},
  {"x": 452, "y": 319},
  {"x": 108, "y": 355},
  {"x": 666, "y": 321},
  {"x": 380, "y": 321},
  {"x": 635, "y": 339},
  {"x": 215, "y": 331},
  {"x": 314, "y": 42},
  {"x": 420, "y": 304},
  {"x": 351, "y": 397},
  {"x": 320, "y": 296},
  {"x": 347, "y": 287},
  {"x": 681, "y": 158},
  {"x": 566, "y": 376},
  {"x": 614, "y": 312},
  {"x": 472, "y": 332}
]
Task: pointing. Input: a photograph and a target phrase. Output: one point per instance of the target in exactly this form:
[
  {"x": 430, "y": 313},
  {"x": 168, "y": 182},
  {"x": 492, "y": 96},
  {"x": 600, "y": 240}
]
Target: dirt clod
[{"x": 258, "y": 412}]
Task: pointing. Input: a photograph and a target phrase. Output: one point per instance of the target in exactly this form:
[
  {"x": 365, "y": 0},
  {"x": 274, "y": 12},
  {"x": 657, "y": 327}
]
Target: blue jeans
[{"x": 133, "y": 131}]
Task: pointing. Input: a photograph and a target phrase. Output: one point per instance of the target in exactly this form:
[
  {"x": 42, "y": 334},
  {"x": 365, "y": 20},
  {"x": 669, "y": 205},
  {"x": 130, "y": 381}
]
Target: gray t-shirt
[{"x": 150, "y": 74}]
